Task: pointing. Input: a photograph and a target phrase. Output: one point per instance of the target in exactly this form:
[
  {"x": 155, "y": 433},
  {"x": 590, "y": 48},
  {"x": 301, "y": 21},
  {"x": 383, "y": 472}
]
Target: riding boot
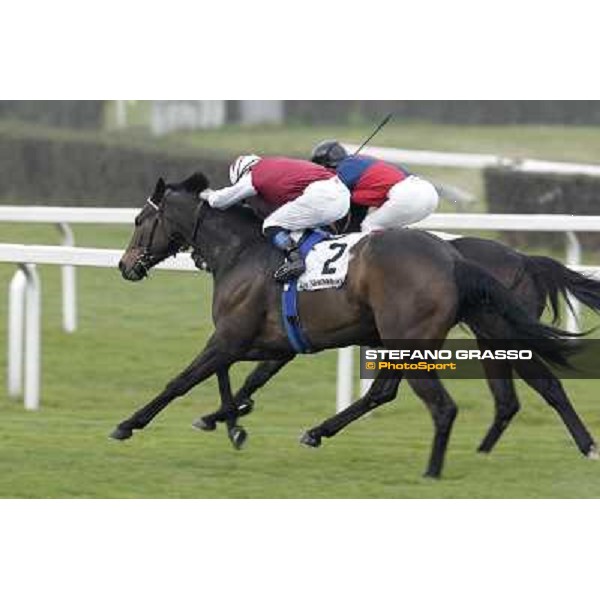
[
  {"x": 294, "y": 265},
  {"x": 292, "y": 268}
]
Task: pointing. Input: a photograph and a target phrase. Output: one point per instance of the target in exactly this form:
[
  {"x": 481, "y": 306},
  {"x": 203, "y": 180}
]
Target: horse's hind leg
[
  {"x": 381, "y": 391},
  {"x": 540, "y": 378},
  {"x": 506, "y": 403},
  {"x": 263, "y": 373},
  {"x": 426, "y": 319},
  {"x": 443, "y": 412}
]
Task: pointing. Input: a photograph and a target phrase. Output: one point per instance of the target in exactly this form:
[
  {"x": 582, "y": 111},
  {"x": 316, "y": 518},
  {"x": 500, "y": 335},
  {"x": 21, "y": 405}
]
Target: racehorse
[
  {"x": 537, "y": 281},
  {"x": 401, "y": 284}
]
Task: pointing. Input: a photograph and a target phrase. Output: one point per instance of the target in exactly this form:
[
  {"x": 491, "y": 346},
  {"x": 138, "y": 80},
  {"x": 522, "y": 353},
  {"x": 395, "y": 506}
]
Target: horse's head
[{"x": 164, "y": 226}]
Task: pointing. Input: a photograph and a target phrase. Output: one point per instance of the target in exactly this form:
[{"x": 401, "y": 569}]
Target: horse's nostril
[{"x": 120, "y": 265}]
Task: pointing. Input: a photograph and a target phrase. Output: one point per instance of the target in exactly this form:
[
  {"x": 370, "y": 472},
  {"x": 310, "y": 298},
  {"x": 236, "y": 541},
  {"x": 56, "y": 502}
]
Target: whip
[{"x": 375, "y": 132}]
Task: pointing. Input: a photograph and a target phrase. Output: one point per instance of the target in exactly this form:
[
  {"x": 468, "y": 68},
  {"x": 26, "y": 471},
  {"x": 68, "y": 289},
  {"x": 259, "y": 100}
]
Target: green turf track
[{"x": 133, "y": 337}]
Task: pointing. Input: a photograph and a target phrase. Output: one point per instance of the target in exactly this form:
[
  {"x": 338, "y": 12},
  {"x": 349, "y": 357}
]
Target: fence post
[
  {"x": 344, "y": 378},
  {"x": 573, "y": 257},
  {"x": 32, "y": 338},
  {"x": 69, "y": 289},
  {"x": 16, "y": 302}
]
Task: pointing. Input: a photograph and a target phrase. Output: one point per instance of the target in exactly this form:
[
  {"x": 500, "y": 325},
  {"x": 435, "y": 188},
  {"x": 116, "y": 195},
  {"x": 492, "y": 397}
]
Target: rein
[
  {"x": 200, "y": 214},
  {"x": 197, "y": 257}
]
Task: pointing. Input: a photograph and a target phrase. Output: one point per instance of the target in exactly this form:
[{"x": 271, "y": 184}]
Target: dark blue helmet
[{"x": 328, "y": 153}]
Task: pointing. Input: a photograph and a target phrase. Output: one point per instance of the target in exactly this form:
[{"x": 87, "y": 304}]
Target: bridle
[
  {"x": 147, "y": 260},
  {"x": 144, "y": 262}
]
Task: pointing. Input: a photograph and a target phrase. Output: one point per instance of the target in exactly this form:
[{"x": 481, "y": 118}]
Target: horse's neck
[{"x": 225, "y": 236}]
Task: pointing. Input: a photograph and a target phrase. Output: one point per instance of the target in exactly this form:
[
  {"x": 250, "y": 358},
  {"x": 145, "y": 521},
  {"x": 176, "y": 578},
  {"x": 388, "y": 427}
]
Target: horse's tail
[
  {"x": 492, "y": 312},
  {"x": 553, "y": 280}
]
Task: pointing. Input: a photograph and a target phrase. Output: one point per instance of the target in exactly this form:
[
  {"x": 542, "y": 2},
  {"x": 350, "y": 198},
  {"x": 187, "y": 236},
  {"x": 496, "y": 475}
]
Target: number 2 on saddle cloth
[{"x": 289, "y": 295}]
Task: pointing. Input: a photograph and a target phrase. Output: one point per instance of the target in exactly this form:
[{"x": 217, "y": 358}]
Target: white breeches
[
  {"x": 322, "y": 203},
  {"x": 408, "y": 201}
]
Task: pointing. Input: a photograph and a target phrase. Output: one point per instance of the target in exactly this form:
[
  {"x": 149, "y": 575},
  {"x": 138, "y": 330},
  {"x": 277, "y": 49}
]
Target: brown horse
[
  {"x": 401, "y": 284},
  {"x": 537, "y": 281}
]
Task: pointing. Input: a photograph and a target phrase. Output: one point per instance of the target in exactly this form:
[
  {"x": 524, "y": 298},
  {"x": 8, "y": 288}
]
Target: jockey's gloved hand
[{"x": 199, "y": 261}]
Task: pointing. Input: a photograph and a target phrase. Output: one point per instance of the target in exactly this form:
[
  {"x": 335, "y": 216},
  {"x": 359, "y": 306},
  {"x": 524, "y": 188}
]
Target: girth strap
[{"x": 289, "y": 298}]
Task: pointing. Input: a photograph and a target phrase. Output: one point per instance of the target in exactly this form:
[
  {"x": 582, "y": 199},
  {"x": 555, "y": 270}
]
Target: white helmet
[{"x": 240, "y": 166}]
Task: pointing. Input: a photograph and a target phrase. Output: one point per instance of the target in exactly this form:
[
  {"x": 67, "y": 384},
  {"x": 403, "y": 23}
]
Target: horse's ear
[
  {"x": 159, "y": 189},
  {"x": 195, "y": 183}
]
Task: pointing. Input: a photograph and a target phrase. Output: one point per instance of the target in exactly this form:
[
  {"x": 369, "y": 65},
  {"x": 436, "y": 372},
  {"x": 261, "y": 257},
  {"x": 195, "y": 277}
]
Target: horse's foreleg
[
  {"x": 381, "y": 391},
  {"x": 506, "y": 403},
  {"x": 243, "y": 398},
  {"x": 541, "y": 379},
  {"x": 206, "y": 364},
  {"x": 443, "y": 412}
]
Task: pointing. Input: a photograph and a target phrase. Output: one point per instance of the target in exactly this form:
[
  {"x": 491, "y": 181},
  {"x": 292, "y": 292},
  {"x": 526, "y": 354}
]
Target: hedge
[
  {"x": 75, "y": 114},
  {"x": 51, "y": 167},
  {"x": 513, "y": 191}
]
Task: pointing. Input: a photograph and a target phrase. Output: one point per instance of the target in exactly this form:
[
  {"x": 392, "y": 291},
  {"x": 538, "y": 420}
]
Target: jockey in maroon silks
[
  {"x": 306, "y": 195},
  {"x": 395, "y": 197}
]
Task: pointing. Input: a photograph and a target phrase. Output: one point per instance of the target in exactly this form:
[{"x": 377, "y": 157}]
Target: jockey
[
  {"x": 304, "y": 195},
  {"x": 399, "y": 198}
]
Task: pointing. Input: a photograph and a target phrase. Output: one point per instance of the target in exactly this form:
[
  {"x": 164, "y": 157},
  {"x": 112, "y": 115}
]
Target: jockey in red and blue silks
[{"x": 395, "y": 197}]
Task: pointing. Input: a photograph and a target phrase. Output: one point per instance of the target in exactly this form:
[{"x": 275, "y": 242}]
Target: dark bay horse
[
  {"x": 401, "y": 284},
  {"x": 537, "y": 281}
]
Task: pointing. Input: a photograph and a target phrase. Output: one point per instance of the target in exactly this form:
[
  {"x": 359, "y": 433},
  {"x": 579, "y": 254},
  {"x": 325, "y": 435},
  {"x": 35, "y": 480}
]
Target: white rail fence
[
  {"x": 474, "y": 161},
  {"x": 24, "y": 290},
  {"x": 63, "y": 218},
  {"x": 24, "y": 312}
]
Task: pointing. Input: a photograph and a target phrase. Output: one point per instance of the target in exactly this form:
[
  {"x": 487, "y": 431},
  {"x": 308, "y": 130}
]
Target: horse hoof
[
  {"x": 121, "y": 434},
  {"x": 310, "y": 440},
  {"x": 238, "y": 437},
  {"x": 593, "y": 453},
  {"x": 203, "y": 425}
]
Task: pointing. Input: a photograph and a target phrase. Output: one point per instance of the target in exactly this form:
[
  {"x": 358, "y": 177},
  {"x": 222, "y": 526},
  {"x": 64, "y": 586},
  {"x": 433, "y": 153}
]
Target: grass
[
  {"x": 133, "y": 337},
  {"x": 524, "y": 141}
]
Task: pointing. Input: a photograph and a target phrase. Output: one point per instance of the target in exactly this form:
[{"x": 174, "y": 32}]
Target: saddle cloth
[{"x": 327, "y": 263}]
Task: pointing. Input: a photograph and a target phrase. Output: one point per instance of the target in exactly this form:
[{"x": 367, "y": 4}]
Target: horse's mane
[
  {"x": 240, "y": 217},
  {"x": 245, "y": 216}
]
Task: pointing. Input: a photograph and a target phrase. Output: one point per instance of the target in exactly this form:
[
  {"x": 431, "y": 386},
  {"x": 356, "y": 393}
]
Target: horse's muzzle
[{"x": 133, "y": 270}]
